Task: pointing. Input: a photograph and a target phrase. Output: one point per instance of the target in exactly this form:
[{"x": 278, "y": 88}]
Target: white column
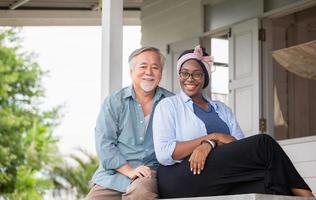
[{"x": 112, "y": 40}]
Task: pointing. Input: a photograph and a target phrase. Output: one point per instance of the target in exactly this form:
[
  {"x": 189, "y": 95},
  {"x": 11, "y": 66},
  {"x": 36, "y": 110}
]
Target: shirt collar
[
  {"x": 185, "y": 98},
  {"x": 213, "y": 103},
  {"x": 131, "y": 93},
  {"x": 159, "y": 93}
]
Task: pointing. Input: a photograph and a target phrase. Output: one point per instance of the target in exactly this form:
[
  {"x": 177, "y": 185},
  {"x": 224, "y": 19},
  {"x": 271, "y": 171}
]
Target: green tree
[
  {"x": 27, "y": 146},
  {"x": 75, "y": 176}
]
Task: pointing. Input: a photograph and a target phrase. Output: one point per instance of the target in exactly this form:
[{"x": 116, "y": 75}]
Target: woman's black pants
[{"x": 256, "y": 164}]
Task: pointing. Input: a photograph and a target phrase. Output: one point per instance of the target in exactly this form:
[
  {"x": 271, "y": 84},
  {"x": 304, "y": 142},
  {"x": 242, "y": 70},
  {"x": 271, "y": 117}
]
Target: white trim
[
  {"x": 267, "y": 78},
  {"x": 297, "y": 140},
  {"x": 216, "y": 33},
  {"x": 18, "y": 4},
  {"x": 112, "y": 45}
]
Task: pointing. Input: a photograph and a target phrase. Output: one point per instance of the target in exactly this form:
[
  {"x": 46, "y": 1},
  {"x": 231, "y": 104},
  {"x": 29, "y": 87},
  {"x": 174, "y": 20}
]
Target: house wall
[
  {"x": 275, "y": 4},
  {"x": 229, "y": 12},
  {"x": 270, "y": 5},
  {"x": 295, "y": 109},
  {"x": 223, "y": 13},
  {"x": 164, "y": 22}
]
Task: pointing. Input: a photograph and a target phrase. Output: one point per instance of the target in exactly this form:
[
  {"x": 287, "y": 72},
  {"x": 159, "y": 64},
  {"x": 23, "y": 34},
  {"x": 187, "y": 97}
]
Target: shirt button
[
  {"x": 141, "y": 138},
  {"x": 141, "y": 122}
]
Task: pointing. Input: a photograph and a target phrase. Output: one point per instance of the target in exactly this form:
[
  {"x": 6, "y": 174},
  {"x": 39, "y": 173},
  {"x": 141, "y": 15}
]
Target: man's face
[{"x": 146, "y": 71}]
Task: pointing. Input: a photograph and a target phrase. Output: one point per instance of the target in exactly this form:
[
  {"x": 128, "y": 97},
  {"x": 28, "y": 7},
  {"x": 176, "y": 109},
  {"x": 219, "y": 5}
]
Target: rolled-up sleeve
[
  {"x": 106, "y": 137},
  {"x": 164, "y": 132}
]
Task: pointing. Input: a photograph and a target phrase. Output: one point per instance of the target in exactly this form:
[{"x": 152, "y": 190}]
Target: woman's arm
[
  {"x": 185, "y": 148},
  {"x": 221, "y": 138},
  {"x": 164, "y": 132}
]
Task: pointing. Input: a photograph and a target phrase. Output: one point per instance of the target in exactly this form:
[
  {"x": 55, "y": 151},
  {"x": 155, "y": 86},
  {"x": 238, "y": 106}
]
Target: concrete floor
[{"x": 250, "y": 197}]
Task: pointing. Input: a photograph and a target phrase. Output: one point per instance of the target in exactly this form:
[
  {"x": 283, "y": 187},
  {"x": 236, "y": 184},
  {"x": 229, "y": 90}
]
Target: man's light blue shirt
[
  {"x": 175, "y": 120},
  {"x": 121, "y": 137}
]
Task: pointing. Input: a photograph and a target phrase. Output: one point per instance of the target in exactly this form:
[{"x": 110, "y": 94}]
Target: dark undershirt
[{"x": 213, "y": 123}]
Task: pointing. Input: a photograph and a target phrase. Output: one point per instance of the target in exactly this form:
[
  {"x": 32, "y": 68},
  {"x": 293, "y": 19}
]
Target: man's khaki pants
[{"x": 139, "y": 189}]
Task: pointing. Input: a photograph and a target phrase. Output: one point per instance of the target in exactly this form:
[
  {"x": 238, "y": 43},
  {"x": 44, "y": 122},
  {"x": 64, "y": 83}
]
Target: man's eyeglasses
[{"x": 194, "y": 75}]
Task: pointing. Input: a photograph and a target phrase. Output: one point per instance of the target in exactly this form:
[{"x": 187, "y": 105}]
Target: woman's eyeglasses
[{"x": 194, "y": 75}]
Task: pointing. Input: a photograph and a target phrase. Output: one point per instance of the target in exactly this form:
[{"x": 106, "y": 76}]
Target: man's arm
[{"x": 106, "y": 137}]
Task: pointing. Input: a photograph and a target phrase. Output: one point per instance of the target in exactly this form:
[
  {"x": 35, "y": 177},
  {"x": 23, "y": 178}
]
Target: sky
[{"x": 72, "y": 55}]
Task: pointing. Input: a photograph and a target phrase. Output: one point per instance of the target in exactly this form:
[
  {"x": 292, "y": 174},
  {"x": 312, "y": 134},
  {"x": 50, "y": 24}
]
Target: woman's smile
[{"x": 190, "y": 87}]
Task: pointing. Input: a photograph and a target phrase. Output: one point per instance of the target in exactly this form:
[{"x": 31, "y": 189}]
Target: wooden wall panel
[{"x": 294, "y": 96}]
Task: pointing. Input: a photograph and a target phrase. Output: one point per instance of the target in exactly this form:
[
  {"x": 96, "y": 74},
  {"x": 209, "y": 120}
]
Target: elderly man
[{"x": 123, "y": 133}]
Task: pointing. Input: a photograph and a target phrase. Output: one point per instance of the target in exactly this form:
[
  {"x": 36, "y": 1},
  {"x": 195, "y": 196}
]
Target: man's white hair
[{"x": 135, "y": 53}]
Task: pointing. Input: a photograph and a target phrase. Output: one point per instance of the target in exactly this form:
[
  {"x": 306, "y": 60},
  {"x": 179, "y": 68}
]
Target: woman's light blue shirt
[{"x": 174, "y": 120}]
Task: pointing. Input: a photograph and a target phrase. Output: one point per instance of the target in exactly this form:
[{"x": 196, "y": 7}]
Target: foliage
[
  {"x": 76, "y": 176},
  {"x": 27, "y": 146}
]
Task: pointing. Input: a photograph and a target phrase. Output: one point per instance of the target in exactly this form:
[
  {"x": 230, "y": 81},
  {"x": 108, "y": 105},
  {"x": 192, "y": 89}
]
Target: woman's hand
[{"x": 198, "y": 158}]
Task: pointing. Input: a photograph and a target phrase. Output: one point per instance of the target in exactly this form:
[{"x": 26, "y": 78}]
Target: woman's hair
[{"x": 206, "y": 75}]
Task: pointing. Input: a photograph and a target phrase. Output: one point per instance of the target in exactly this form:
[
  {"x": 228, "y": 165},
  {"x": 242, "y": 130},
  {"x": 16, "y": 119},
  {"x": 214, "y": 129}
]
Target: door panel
[
  {"x": 244, "y": 75},
  {"x": 243, "y": 50}
]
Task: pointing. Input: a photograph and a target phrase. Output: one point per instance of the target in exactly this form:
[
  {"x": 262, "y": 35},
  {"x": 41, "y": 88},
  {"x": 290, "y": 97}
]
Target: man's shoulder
[
  {"x": 171, "y": 100},
  {"x": 118, "y": 96},
  {"x": 166, "y": 92},
  {"x": 125, "y": 91}
]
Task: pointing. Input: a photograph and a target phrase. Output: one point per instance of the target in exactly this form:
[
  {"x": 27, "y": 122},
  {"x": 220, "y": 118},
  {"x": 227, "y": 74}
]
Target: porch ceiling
[
  {"x": 80, "y": 5},
  {"x": 62, "y": 12}
]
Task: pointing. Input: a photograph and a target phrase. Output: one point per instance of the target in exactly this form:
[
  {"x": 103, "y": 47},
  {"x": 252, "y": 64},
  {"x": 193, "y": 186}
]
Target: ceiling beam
[
  {"x": 60, "y": 18},
  {"x": 49, "y": 18},
  {"x": 96, "y": 7},
  {"x": 18, "y": 4}
]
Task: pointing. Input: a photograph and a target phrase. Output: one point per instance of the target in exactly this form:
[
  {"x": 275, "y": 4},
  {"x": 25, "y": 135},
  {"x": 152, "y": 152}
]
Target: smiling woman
[{"x": 202, "y": 150}]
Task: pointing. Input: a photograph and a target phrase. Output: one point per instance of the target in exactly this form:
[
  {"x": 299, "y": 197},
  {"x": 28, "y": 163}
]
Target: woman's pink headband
[{"x": 198, "y": 55}]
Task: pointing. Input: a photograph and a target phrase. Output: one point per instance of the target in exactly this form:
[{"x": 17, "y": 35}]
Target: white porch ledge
[{"x": 250, "y": 197}]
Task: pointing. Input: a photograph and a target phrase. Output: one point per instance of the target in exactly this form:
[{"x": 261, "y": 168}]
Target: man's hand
[
  {"x": 198, "y": 158},
  {"x": 139, "y": 172}
]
